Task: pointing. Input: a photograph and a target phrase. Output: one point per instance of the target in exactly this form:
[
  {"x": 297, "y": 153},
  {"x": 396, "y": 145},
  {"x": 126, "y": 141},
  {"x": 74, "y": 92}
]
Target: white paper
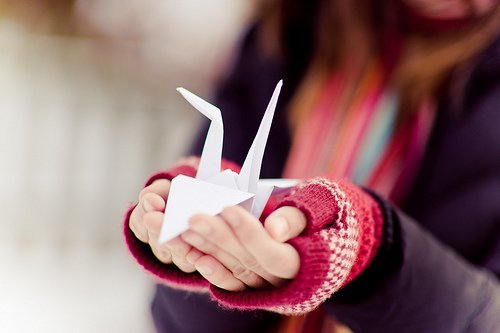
[
  {"x": 212, "y": 190},
  {"x": 189, "y": 196},
  {"x": 211, "y": 157},
  {"x": 250, "y": 171}
]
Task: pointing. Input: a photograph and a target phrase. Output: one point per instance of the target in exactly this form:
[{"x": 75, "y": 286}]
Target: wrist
[{"x": 329, "y": 203}]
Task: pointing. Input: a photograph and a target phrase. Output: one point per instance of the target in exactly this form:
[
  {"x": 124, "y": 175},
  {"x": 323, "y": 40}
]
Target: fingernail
[
  {"x": 280, "y": 226},
  {"x": 205, "y": 270},
  {"x": 147, "y": 206}
]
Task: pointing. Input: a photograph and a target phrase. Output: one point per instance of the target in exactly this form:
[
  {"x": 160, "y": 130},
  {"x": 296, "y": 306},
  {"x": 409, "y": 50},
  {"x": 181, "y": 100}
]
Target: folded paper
[{"x": 212, "y": 189}]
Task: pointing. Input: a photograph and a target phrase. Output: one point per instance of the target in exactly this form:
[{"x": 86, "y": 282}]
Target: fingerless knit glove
[{"x": 343, "y": 234}]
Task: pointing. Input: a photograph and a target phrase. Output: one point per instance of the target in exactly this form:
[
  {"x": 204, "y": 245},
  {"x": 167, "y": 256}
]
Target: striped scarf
[
  {"x": 357, "y": 137},
  {"x": 352, "y": 131}
]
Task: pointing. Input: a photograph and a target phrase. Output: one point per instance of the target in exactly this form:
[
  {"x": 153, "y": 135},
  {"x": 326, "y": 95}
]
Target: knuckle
[
  {"x": 237, "y": 269},
  {"x": 193, "y": 255},
  {"x": 152, "y": 200},
  {"x": 148, "y": 196},
  {"x": 251, "y": 264},
  {"x": 157, "y": 254},
  {"x": 141, "y": 236},
  {"x": 144, "y": 191},
  {"x": 209, "y": 248},
  {"x": 182, "y": 264},
  {"x": 187, "y": 268},
  {"x": 244, "y": 274},
  {"x": 164, "y": 256},
  {"x": 178, "y": 248},
  {"x": 227, "y": 282}
]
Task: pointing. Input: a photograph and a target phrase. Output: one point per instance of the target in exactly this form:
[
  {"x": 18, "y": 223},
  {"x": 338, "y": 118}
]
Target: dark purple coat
[{"x": 439, "y": 264}]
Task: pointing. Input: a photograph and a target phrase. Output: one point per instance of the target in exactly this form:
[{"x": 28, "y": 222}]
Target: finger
[
  {"x": 193, "y": 255},
  {"x": 279, "y": 259},
  {"x": 161, "y": 252},
  {"x": 245, "y": 275},
  {"x": 217, "y": 274},
  {"x": 216, "y": 230},
  {"x": 159, "y": 186},
  {"x": 179, "y": 249},
  {"x": 285, "y": 223},
  {"x": 138, "y": 228},
  {"x": 153, "y": 222},
  {"x": 150, "y": 202}
]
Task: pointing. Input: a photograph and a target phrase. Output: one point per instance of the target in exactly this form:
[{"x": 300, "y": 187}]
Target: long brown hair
[{"x": 362, "y": 28}]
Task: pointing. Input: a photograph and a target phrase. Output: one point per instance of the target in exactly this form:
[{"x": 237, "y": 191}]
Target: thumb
[{"x": 285, "y": 223}]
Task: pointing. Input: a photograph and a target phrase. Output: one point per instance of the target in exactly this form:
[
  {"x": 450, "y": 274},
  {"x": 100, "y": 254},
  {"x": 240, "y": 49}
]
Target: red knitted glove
[
  {"x": 168, "y": 274},
  {"x": 343, "y": 234}
]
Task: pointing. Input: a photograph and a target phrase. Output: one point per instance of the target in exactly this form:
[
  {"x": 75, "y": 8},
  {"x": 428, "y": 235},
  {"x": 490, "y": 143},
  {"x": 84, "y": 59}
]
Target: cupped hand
[
  {"x": 234, "y": 250},
  {"x": 145, "y": 222}
]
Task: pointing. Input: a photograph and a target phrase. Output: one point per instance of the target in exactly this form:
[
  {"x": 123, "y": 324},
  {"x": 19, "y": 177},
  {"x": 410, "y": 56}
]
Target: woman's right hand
[{"x": 146, "y": 220}]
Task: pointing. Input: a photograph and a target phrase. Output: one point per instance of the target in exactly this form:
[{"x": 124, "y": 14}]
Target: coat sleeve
[
  {"x": 440, "y": 273},
  {"x": 429, "y": 288}
]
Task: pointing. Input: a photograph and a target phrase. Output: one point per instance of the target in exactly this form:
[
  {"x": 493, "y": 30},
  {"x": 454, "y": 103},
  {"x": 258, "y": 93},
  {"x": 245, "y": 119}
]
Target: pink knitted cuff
[{"x": 343, "y": 235}]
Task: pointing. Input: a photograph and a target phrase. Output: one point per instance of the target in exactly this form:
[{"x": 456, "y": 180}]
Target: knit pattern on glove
[
  {"x": 343, "y": 233},
  {"x": 342, "y": 236}
]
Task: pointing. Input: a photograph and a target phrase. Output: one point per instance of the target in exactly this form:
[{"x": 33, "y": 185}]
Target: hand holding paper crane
[{"x": 212, "y": 190}]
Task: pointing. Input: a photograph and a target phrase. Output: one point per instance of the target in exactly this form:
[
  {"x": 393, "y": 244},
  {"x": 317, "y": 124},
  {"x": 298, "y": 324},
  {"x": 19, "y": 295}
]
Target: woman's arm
[
  {"x": 433, "y": 290},
  {"x": 446, "y": 262}
]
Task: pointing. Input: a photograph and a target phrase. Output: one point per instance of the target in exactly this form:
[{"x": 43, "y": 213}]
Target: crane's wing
[{"x": 248, "y": 178}]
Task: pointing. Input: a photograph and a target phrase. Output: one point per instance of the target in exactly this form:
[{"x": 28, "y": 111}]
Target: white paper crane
[{"x": 212, "y": 190}]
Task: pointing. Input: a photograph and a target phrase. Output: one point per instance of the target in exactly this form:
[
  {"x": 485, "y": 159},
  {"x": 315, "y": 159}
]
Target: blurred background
[{"x": 88, "y": 110}]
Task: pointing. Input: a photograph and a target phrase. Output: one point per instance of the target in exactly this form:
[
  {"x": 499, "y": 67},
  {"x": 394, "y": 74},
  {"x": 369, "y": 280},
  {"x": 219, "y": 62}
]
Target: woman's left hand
[{"x": 234, "y": 250}]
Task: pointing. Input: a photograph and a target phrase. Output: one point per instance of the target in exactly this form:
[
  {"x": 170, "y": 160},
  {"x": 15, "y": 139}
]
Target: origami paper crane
[{"x": 212, "y": 190}]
